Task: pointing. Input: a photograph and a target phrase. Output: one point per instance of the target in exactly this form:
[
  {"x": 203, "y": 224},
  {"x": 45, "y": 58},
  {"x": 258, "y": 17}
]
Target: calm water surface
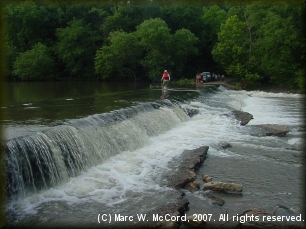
[{"x": 32, "y": 106}]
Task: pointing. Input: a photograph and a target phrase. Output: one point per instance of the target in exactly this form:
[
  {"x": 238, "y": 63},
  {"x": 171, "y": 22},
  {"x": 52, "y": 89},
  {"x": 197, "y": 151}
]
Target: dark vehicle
[{"x": 206, "y": 76}]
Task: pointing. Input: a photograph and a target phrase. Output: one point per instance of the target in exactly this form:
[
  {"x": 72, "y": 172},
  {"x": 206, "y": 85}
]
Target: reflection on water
[
  {"x": 31, "y": 106},
  {"x": 165, "y": 93},
  {"x": 64, "y": 100}
]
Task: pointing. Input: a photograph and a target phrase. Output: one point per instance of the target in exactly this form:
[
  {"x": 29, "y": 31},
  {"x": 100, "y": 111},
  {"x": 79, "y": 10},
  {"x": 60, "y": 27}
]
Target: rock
[
  {"x": 184, "y": 168},
  {"x": 191, "y": 112},
  {"x": 189, "y": 177},
  {"x": 192, "y": 186},
  {"x": 214, "y": 199},
  {"x": 243, "y": 117},
  {"x": 206, "y": 178},
  {"x": 208, "y": 192},
  {"x": 173, "y": 210},
  {"x": 226, "y": 145},
  {"x": 273, "y": 129},
  {"x": 222, "y": 186}
]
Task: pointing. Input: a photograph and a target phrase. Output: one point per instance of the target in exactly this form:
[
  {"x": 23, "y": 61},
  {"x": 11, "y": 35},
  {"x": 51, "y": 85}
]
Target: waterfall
[{"x": 51, "y": 157}]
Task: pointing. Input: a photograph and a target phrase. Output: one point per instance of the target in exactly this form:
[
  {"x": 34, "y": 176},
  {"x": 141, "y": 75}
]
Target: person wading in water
[{"x": 165, "y": 79}]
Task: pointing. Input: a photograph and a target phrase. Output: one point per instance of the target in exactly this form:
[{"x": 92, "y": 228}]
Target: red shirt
[{"x": 166, "y": 76}]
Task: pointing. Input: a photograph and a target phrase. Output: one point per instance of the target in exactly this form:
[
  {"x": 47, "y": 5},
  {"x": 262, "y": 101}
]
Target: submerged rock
[
  {"x": 226, "y": 145},
  {"x": 243, "y": 117},
  {"x": 214, "y": 199},
  {"x": 222, "y": 186},
  {"x": 191, "y": 112}
]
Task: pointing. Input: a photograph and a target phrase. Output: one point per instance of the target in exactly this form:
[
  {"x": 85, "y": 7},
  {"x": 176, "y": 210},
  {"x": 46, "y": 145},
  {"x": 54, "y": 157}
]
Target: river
[{"x": 78, "y": 149}]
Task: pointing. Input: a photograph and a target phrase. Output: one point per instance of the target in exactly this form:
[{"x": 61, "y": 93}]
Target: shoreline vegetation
[{"x": 251, "y": 41}]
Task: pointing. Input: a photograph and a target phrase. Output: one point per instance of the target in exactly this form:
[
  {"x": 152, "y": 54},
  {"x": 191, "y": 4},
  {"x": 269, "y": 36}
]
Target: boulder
[
  {"x": 192, "y": 186},
  {"x": 273, "y": 129},
  {"x": 182, "y": 182},
  {"x": 184, "y": 168},
  {"x": 206, "y": 178},
  {"x": 243, "y": 117},
  {"x": 222, "y": 186}
]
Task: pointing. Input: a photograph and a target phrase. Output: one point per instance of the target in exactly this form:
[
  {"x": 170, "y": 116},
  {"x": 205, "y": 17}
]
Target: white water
[{"x": 129, "y": 182}]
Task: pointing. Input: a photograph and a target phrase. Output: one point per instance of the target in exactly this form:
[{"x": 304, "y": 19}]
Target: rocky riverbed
[{"x": 185, "y": 178}]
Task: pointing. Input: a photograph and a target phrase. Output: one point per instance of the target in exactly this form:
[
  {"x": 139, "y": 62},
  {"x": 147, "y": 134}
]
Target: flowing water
[{"x": 77, "y": 150}]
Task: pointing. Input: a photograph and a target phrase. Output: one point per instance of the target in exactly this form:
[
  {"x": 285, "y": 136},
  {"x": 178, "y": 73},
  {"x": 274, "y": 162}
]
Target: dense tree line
[{"x": 252, "y": 41}]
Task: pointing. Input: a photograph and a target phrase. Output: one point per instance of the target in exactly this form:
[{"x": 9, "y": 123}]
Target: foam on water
[
  {"x": 138, "y": 170},
  {"x": 273, "y": 109},
  {"x": 295, "y": 141},
  {"x": 273, "y": 95}
]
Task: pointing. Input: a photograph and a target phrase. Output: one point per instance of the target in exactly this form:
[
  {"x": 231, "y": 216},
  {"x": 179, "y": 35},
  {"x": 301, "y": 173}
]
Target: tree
[
  {"x": 125, "y": 17},
  {"x": 277, "y": 44},
  {"x": 213, "y": 17},
  {"x": 120, "y": 58},
  {"x": 183, "y": 48},
  {"x": 76, "y": 47},
  {"x": 11, "y": 55},
  {"x": 232, "y": 51},
  {"x": 188, "y": 16},
  {"x": 34, "y": 64},
  {"x": 25, "y": 19},
  {"x": 114, "y": 22},
  {"x": 155, "y": 38}
]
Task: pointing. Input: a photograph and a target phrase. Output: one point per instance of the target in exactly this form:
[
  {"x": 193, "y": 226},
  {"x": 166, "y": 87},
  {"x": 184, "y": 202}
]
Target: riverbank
[{"x": 230, "y": 84}]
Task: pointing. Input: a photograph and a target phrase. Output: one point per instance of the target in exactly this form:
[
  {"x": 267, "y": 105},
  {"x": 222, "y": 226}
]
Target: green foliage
[
  {"x": 213, "y": 17},
  {"x": 184, "y": 81},
  {"x": 120, "y": 57},
  {"x": 76, "y": 49},
  {"x": 183, "y": 48},
  {"x": 24, "y": 20},
  {"x": 164, "y": 50},
  {"x": 188, "y": 16},
  {"x": 230, "y": 51},
  {"x": 114, "y": 22},
  {"x": 131, "y": 39},
  {"x": 34, "y": 64},
  {"x": 11, "y": 55},
  {"x": 267, "y": 45},
  {"x": 276, "y": 43},
  {"x": 183, "y": 16},
  {"x": 155, "y": 38}
]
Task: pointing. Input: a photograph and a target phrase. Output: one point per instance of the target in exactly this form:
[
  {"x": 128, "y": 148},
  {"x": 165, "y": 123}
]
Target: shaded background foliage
[{"x": 251, "y": 41}]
